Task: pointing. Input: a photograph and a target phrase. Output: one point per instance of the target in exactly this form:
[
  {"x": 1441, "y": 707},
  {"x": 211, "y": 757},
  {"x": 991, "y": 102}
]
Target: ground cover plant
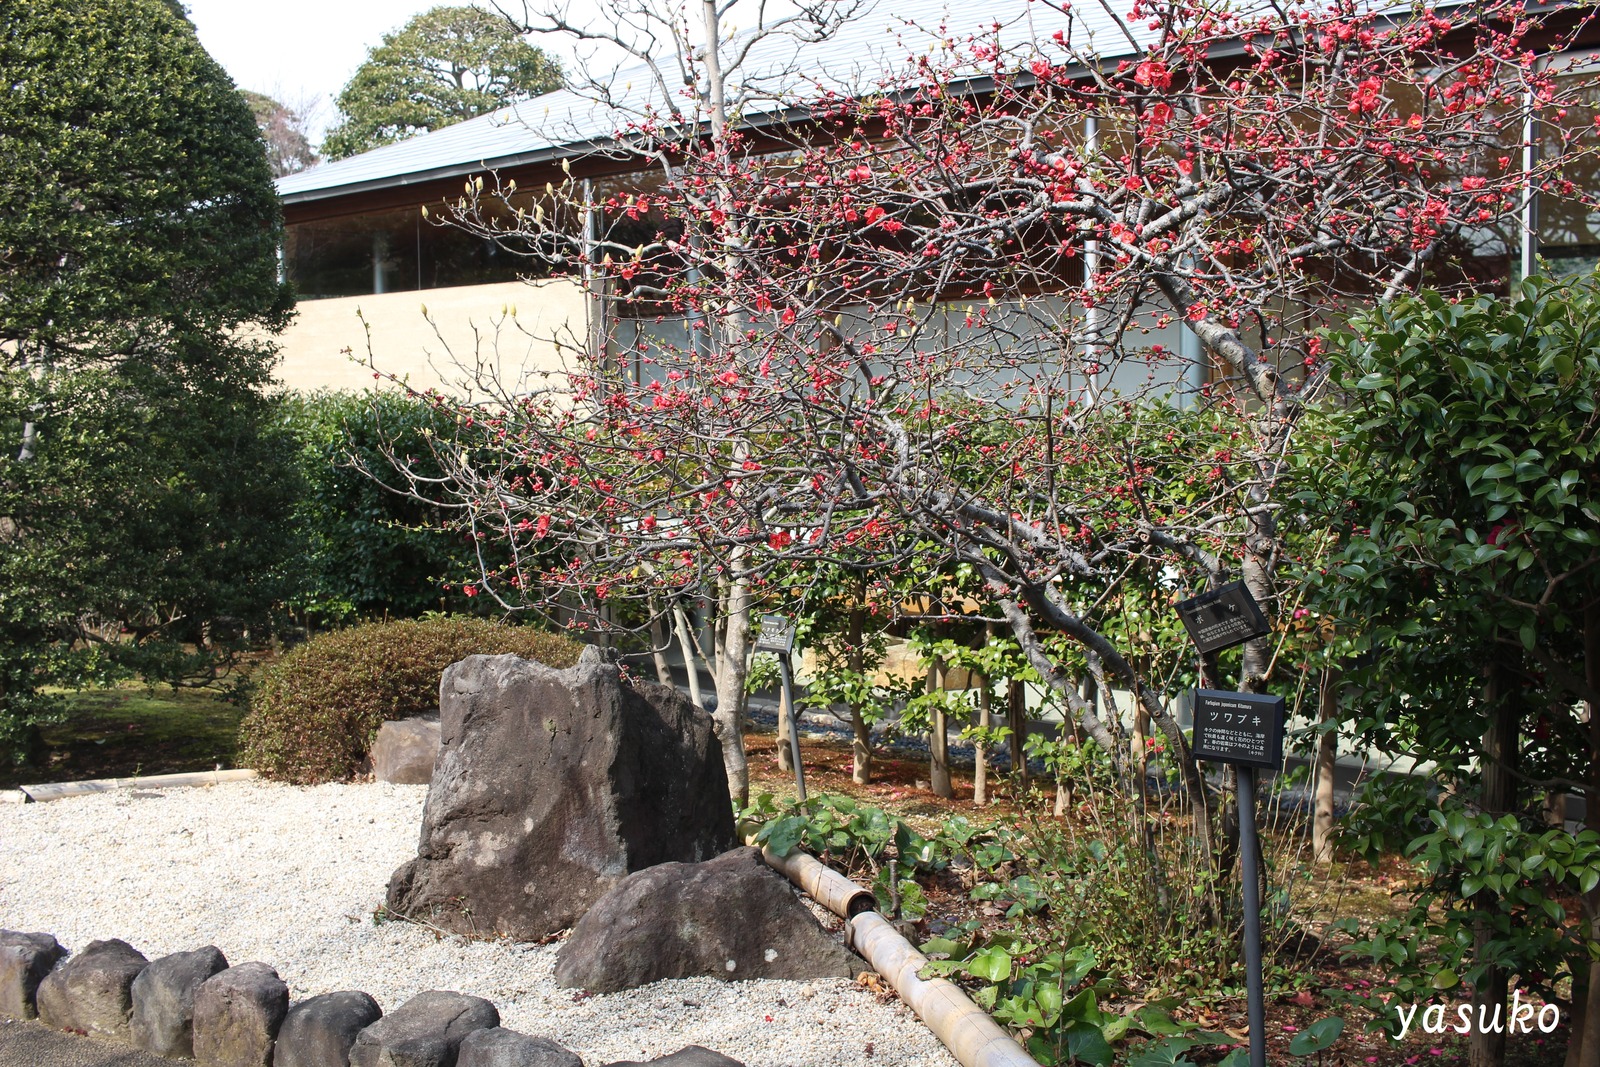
[{"x": 990, "y": 893}]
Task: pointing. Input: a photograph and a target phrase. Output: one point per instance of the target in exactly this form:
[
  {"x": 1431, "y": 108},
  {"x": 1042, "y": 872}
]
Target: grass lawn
[{"x": 135, "y": 730}]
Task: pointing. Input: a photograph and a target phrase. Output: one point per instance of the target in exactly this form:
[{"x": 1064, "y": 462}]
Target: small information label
[
  {"x": 1222, "y": 618},
  {"x": 1242, "y": 728},
  {"x": 776, "y": 635}
]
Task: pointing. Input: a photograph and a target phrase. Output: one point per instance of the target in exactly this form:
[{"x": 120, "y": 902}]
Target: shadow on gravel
[{"x": 35, "y": 1045}]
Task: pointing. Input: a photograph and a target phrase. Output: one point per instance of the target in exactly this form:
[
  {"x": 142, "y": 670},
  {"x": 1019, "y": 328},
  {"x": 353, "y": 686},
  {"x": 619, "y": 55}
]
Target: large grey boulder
[
  {"x": 732, "y": 918},
  {"x": 425, "y": 1031},
  {"x": 92, "y": 991},
  {"x": 405, "y": 750},
  {"x": 321, "y": 1031},
  {"x": 499, "y": 1047},
  {"x": 551, "y": 786},
  {"x": 237, "y": 1013},
  {"x": 689, "y": 1056},
  {"x": 163, "y": 1000},
  {"x": 24, "y": 961}
]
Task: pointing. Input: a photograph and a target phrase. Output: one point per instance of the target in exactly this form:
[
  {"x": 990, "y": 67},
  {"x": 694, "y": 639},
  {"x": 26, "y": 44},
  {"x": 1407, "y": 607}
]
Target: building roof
[{"x": 566, "y": 122}]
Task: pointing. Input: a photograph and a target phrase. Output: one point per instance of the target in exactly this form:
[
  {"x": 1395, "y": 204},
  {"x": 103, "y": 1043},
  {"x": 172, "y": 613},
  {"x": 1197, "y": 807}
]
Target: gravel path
[{"x": 291, "y": 876}]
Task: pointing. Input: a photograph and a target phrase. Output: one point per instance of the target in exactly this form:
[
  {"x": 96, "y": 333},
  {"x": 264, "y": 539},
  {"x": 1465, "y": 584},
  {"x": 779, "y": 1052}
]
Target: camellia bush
[{"x": 1457, "y": 473}]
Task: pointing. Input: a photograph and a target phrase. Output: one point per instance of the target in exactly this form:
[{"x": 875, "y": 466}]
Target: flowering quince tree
[{"x": 939, "y": 316}]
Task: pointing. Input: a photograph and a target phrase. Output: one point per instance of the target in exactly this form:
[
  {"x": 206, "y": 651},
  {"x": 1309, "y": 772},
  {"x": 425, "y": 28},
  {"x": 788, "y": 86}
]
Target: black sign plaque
[
  {"x": 1222, "y": 618},
  {"x": 776, "y": 635},
  {"x": 1241, "y": 728}
]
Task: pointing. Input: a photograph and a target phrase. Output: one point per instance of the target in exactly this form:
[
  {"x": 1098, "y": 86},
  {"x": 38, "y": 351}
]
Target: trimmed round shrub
[{"x": 314, "y": 713}]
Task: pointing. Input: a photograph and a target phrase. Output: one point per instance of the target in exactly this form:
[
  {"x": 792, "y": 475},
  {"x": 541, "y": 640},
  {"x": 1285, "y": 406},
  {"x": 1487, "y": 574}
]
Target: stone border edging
[
  {"x": 28, "y": 794},
  {"x": 242, "y": 1015}
]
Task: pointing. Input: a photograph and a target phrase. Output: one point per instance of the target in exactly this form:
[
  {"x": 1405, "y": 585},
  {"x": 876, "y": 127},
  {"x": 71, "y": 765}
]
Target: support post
[{"x": 1249, "y": 868}]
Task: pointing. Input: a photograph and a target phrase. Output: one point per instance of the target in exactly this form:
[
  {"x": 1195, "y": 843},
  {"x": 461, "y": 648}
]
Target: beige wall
[{"x": 506, "y": 326}]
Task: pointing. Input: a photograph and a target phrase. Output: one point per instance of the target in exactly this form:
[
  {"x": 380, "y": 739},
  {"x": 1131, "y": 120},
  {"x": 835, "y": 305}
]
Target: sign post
[
  {"x": 1246, "y": 730},
  {"x": 777, "y": 636}
]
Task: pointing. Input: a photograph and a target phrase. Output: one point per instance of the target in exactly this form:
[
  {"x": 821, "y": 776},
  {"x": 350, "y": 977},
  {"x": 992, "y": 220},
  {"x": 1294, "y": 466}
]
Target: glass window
[{"x": 398, "y": 251}]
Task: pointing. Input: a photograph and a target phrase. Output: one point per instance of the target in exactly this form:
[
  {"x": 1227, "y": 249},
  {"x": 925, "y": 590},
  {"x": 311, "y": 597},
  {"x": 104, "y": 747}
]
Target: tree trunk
[
  {"x": 1139, "y": 749},
  {"x": 1578, "y": 1036},
  {"x": 980, "y": 748},
  {"x": 733, "y": 664},
  {"x": 860, "y": 750},
  {"x": 686, "y": 646},
  {"x": 1072, "y": 734},
  {"x": 938, "y": 735},
  {"x": 1487, "y": 1047},
  {"x": 1327, "y": 752},
  {"x": 733, "y": 661},
  {"x": 860, "y": 728},
  {"x": 785, "y": 732},
  {"x": 658, "y": 646},
  {"x": 1017, "y": 721}
]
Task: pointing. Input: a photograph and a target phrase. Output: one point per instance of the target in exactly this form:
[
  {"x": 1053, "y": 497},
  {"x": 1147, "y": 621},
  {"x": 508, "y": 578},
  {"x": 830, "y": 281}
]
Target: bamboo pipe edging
[
  {"x": 966, "y": 1029},
  {"x": 822, "y": 883},
  {"x": 974, "y": 1038}
]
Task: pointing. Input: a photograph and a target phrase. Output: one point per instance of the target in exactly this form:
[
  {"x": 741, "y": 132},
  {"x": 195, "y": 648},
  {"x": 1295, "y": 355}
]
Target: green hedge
[
  {"x": 314, "y": 713},
  {"x": 366, "y": 551}
]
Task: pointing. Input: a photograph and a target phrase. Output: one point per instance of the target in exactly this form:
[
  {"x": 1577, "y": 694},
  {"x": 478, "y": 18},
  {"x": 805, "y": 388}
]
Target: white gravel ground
[{"x": 291, "y": 876}]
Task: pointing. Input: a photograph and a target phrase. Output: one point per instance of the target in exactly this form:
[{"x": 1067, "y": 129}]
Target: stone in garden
[
  {"x": 689, "y": 1056},
  {"x": 320, "y": 1032},
  {"x": 163, "y": 1000},
  {"x": 551, "y": 787},
  {"x": 237, "y": 1013},
  {"x": 405, "y": 749},
  {"x": 24, "y": 961},
  {"x": 425, "y": 1031},
  {"x": 92, "y": 991},
  {"x": 499, "y": 1047},
  {"x": 732, "y": 917}
]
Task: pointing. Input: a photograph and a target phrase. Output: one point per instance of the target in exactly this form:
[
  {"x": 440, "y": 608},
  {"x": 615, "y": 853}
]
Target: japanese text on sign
[
  {"x": 1242, "y": 728},
  {"x": 1222, "y": 618},
  {"x": 776, "y": 635}
]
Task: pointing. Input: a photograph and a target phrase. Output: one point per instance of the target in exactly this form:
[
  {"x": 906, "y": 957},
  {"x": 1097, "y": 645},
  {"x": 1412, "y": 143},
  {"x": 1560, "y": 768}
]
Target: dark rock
[
  {"x": 320, "y": 1032},
  {"x": 24, "y": 961},
  {"x": 732, "y": 917},
  {"x": 237, "y": 1013},
  {"x": 163, "y": 1000},
  {"x": 92, "y": 991},
  {"x": 551, "y": 787},
  {"x": 690, "y": 1056},
  {"x": 405, "y": 750},
  {"x": 499, "y": 1047},
  {"x": 425, "y": 1031}
]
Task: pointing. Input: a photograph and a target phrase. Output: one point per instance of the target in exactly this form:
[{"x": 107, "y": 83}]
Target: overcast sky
[
  {"x": 301, "y": 52},
  {"x": 298, "y": 51}
]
